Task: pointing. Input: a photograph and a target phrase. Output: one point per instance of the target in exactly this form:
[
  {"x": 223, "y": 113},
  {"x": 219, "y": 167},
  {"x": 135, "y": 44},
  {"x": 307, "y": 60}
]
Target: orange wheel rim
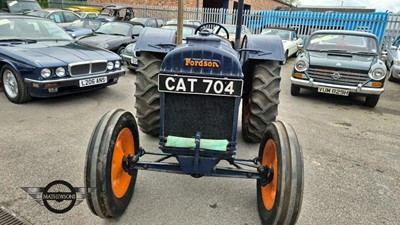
[
  {"x": 124, "y": 146},
  {"x": 270, "y": 159}
]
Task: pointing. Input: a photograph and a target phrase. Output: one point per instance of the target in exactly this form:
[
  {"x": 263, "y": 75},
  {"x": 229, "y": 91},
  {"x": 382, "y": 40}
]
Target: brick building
[{"x": 230, "y": 4}]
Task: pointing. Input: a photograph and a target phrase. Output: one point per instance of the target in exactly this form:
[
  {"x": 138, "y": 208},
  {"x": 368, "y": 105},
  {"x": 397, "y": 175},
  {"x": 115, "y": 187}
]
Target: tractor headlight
[
  {"x": 301, "y": 65},
  {"x": 45, "y": 73},
  {"x": 60, "y": 72},
  {"x": 129, "y": 50},
  {"x": 117, "y": 64},
  {"x": 110, "y": 65}
]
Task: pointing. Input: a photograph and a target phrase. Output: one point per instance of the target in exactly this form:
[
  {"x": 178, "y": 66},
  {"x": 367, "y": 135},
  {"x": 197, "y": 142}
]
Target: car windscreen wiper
[
  {"x": 335, "y": 51},
  {"x": 117, "y": 34},
  {"x": 29, "y": 41},
  {"x": 99, "y": 32},
  {"x": 364, "y": 53}
]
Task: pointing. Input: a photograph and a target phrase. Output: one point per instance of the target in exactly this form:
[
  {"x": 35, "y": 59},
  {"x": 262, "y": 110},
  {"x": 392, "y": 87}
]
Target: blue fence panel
[{"x": 306, "y": 22}]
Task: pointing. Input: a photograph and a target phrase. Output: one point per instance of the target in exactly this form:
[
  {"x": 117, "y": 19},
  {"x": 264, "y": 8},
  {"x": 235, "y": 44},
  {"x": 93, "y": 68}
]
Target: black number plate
[{"x": 200, "y": 85}]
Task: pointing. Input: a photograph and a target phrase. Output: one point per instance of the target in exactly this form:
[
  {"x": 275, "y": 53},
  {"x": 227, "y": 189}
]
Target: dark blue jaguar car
[{"x": 39, "y": 59}]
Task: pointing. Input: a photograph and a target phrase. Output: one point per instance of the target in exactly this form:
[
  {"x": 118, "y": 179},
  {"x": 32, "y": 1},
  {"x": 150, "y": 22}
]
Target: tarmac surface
[{"x": 351, "y": 158}]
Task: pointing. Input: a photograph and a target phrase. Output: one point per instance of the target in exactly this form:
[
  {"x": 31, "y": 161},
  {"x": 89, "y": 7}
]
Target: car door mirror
[
  {"x": 300, "y": 48},
  {"x": 135, "y": 35}
]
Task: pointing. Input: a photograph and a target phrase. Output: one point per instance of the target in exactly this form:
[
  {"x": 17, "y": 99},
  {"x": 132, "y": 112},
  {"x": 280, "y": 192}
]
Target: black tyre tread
[
  {"x": 286, "y": 58},
  {"x": 95, "y": 175},
  {"x": 120, "y": 49},
  {"x": 372, "y": 101},
  {"x": 23, "y": 95},
  {"x": 391, "y": 78},
  {"x": 294, "y": 90},
  {"x": 290, "y": 194},
  {"x": 264, "y": 100},
  {"x": 147, "y": 96},
  {"x": 297, "y": 170}
]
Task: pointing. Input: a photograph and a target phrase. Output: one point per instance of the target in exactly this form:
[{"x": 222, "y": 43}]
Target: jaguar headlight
[
  {"x": 117, "y": 64},
  {"x": 110, "y": 65},
  {"x": 301, "y": 65},
  {"x": 377, "y": 73},
  {"x": 45, "y": 73},
  {"x": 60, "y": 72}
]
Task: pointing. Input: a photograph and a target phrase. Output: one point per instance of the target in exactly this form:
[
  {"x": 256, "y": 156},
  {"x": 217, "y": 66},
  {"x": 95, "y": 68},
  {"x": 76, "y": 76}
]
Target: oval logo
[{"x": 336, "y": 75}]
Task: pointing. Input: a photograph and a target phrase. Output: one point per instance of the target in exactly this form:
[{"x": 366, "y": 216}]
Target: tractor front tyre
[
  {"x": 260, "y": 106},
  {"x": 279, "y": 201},
  {"x": 115, "y": 136},
  {"x": 147, "y": 96}
]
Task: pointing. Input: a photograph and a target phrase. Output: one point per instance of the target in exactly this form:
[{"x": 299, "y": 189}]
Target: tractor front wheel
[
  {"x": 260, "y": 106},
  {"x": 115, "y": 136},
  {"x": 279, "y": 201},
  {"x": 147, "y": 96}
]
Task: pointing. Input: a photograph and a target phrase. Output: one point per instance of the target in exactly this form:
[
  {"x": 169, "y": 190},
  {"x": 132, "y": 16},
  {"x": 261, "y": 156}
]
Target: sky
[{"x": 379, "y": 5}]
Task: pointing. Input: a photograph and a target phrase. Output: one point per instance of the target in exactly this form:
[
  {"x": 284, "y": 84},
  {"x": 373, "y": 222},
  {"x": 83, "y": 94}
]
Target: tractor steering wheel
[{"x": 212, "y": 25}]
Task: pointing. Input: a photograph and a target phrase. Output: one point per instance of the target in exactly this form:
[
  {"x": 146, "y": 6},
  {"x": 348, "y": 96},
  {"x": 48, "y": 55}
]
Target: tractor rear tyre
[
  {"x": 147, "y": 96},
  {"x": 260, "y": 106},
  {"x": 115, "y": 136},
  {"x": 279, "y": 202}
]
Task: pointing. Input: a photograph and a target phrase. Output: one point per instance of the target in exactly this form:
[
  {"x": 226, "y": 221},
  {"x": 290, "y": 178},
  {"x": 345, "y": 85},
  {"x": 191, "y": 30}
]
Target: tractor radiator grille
[
  {"x": 343, "y": 77},
  {"x": 211, "y": 115}
]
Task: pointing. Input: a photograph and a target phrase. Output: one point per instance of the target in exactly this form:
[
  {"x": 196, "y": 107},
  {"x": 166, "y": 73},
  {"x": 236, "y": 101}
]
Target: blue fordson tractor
[{"x": 190, "y": 95}]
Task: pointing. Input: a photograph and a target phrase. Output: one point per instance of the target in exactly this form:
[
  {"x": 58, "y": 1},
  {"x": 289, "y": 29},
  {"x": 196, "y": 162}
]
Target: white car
[
  {"x": 393, "y": 60},
  {"x": 289, "y": 39}
]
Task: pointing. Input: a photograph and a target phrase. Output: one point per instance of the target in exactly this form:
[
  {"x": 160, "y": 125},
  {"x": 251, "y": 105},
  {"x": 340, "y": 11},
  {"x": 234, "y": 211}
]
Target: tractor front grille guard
[{"x": 203, "y": 163}]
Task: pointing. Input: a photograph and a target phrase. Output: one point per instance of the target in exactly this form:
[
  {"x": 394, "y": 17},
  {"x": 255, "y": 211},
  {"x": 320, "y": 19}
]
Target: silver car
[{"x": 393, "y": 60}]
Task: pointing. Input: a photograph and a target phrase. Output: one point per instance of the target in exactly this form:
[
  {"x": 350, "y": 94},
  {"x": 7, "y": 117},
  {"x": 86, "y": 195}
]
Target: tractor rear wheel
[
  {"x": 279, "y": 202},
  {"x": 147, "y": 96},
  {"x": 115, "y": 136},
  {"x": 260, "y": 106}
]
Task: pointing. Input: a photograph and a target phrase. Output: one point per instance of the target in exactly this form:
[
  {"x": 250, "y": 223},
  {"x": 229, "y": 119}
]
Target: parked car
[
  {"x": 129, "y": 54},
  {"x": 19, "y": 6},
  {"x": 89, "y": 12},
  {"x": 393, "y": 60},
  {"x": 289, "y": 39},
  {"x": 88, "y": 15},
  {"x": 39, "y": 59},
  {"x": 83, "y": 27},
  {"x": 116, "y": 13},
  {"x": 341, "y": 63},
  {"x": 187, "y": 22},
  {"x": 149, "y": 22},
  {"x": 232, "y": 32},
  {"x": 62, "y": 17},
  {"x": 114, "y": 36}
]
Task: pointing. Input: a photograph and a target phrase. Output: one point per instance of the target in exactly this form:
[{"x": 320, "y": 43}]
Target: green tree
[{"x": 43, "y": 3}]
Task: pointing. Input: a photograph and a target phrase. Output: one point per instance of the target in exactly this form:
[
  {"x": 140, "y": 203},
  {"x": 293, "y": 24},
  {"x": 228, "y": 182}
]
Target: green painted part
[{"x": 207, "y": 144}]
